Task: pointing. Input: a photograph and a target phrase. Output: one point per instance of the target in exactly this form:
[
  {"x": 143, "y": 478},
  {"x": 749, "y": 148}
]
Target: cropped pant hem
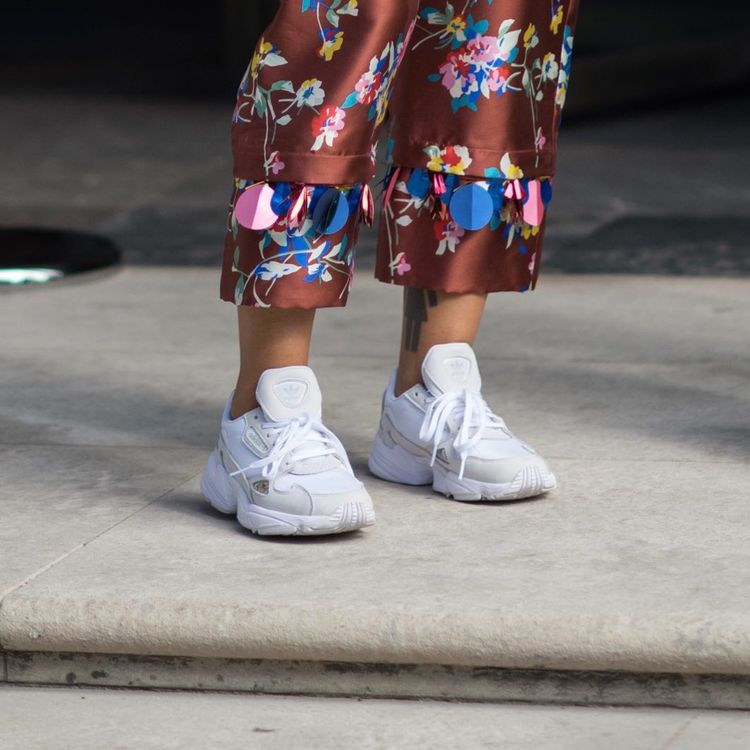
[
  {"x": 472, "y": 96},
  {"x": 306, "y": 166}
]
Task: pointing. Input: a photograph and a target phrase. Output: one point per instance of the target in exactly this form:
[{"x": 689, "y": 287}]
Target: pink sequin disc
[{"x": 253, "y": 208}]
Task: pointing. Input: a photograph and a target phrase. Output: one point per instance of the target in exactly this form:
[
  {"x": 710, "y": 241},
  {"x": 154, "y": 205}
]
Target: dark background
[
  {"x": 649, "y": 53},
  {"x": 116, "y": 121}
]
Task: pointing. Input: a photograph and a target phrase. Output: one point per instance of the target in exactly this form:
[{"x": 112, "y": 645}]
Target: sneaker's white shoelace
[
  {"x": 473, "y": 412},
  {"x": 292, "y": 434}
]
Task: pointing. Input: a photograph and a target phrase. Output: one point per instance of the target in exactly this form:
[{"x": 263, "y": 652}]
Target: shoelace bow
[
  {"x": 473, "y": 411},
  {"x": 292, "y": 434}
]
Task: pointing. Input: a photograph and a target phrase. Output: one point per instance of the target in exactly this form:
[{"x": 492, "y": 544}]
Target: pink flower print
[
  {"x": 541, "y": 139},
  {"x": 532, "y": 264},
  {"x": 399, "y": 264},
  {"x": 326, "y": 126},
  {"x": 458, "y": 75},
  {"x": 497, "y": 79},
  {"x": 484, "y": 50},
  {"x": 368, "y": 86},
  {"x": 276, "y": 164},
  {"x": 448, "y": 234},
  {"x": 402, "y": 267}
]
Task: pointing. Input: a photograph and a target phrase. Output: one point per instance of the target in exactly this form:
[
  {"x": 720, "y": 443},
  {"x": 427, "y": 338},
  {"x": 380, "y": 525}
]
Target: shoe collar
[
  {"x": 287, "y": 392},
  {"x": 451, "y": 367}
]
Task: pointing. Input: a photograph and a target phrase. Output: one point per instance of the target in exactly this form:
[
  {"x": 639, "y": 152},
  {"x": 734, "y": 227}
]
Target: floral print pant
[{"x": 471, "y": 94}]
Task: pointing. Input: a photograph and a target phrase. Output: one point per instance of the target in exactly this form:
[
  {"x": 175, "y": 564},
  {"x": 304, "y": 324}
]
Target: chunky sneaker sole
[
  {"x": 396, "y": 464},
  {"x": 442, "y": 432},
  {"x": 226, "y": 495}
]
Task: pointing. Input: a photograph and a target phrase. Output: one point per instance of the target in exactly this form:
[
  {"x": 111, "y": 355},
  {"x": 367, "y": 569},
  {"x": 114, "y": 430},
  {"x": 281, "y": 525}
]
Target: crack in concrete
[{"x": 41, "y": 571}]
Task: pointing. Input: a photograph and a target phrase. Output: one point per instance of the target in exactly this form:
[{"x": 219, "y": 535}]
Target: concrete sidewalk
[
  {"x": 629, "y": 584},
  {"x": 92, "y": 719}
]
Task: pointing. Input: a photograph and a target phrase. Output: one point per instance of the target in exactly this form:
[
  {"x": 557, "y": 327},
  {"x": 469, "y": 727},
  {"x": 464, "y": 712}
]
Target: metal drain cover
[{"x": 36, "y": 256}]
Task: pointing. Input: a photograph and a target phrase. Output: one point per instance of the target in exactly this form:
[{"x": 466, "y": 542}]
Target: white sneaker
[
  {"x": 446, "y": 435},
  {"x": 280, "y": 469}
]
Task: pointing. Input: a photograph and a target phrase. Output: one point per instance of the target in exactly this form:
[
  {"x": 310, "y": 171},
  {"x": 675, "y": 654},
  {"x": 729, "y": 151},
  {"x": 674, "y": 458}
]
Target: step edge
[
  {"x": 400, "y": 681},
  {"x": 678, "y": 642}
]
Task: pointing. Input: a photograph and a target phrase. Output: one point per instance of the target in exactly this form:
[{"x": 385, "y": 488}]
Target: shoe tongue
[
  {"x": 451, "y": 367},
  {"x": 286, "y": 392}
]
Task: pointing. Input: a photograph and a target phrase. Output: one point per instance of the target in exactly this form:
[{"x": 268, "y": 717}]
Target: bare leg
[
  {"x": 434, "y": 318},
  {"x": 269, "y": 337}
]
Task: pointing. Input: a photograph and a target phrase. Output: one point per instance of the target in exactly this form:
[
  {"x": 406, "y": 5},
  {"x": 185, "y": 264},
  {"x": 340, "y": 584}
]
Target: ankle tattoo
[{"x": 416, "y": 302}]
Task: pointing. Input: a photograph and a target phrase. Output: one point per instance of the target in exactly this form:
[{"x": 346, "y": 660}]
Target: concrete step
[
  {"x": 627, "y": 585},
  {"x": 89, "y": 719}
]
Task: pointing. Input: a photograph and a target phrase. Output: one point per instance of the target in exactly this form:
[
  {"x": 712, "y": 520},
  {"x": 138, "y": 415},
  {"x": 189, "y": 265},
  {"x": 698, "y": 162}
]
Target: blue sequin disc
[
  {"x": 280, "y": 201},
  {"x": 418, "y": 183},
  {"x": 471, "y": 206},
  {"x": 546, "y": 187},
  {"x": 331, "y": 212}
]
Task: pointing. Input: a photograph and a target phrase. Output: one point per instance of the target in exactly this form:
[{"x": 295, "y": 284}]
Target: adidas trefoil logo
[
  {"x": 457, "y": 368},
  {"x": 290, "y": 392}
]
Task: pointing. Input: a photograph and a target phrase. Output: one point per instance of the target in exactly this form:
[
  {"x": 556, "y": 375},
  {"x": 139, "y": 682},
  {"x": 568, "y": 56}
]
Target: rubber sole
[
  {"x": 227, "y": 496},
  {"x": 396, "y": 464}
]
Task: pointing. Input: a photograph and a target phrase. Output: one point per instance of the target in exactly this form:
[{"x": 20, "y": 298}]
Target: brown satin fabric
[
  {"x": 242, "y": 284},
  {"x": 297, "y": 35},
  {"x": 426, "y": 130},
  {"x": 422, "y": 113},
  {"x": 434, "y": 253}
]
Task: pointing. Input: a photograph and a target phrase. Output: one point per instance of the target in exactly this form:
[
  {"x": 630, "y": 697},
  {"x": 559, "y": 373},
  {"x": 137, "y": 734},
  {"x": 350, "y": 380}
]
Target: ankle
[
  {"x": 243, "y": 401},
  {"x": 406, "y": 380}
]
